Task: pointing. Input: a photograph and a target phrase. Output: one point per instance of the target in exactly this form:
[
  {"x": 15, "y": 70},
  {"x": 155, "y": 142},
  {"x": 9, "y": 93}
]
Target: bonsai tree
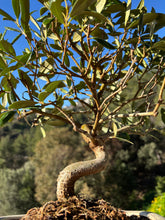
[{"x": 101, "y": 59}]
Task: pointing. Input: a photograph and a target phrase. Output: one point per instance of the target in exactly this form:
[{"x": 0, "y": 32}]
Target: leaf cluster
[{"x": 82, "y": 58}]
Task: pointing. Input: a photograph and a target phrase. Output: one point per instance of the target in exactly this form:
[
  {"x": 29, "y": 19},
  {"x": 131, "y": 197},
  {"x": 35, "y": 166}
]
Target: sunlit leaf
[
  {"x": 100, "y": 5},
  {"x": 114, "y": 128},
  {"x": 76, "y": 36},
  {"x": 128, "y": 10},
  {"x": 34, "y": 22},
  {"x": 124, "y": 140},
  {"x": 141, "y": 4},
  {"x": 56, "y": 9},
  {"x": 43, "y": 132}
]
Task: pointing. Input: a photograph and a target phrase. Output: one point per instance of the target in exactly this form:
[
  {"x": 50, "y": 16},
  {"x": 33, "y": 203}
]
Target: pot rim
[{"x": 150, "y": 215}]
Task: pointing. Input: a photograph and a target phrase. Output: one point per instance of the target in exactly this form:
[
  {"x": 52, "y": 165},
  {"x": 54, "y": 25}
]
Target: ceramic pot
[{"x": 150, "y": 215}]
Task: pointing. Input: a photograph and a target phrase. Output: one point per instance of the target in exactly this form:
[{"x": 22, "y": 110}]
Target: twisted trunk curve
[{"x": 70, "y": 174}]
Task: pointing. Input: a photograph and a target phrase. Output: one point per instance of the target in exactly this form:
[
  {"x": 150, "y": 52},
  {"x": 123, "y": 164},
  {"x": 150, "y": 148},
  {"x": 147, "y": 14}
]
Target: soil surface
[{"x": 75, "y": 208}]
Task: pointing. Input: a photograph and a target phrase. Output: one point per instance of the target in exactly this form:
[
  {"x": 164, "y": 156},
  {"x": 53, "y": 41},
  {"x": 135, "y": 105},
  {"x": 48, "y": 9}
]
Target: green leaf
[
  {"x": 12, "y": 29},
  {"x": 99, "y": 33},
  {"x": 7, "y": 47},
  {"x": 56, "y": 46},
  {"x": 96, "y": 15},
  {"x": 47, "y": 21},
  {"x": 163, "y": 115},
  {"x": 72, "y": 102},
  {"x": 43, "y": 10},
  {"x": 2, "y": 63},
  {"x": 16, "y": 38},
  {"x": 80, "y": 6},
  {"x": 100, "y": 5},
  {"x": 22, "y": 104},
  {"x": 124, "y": 140},
  {"x": 2, "y": 107},
  {"x": 81, "y": 85},
  {"x": 114, "y": 127},
  {"x": 16, "y": 7},
  {"x": 128, "y": 10},
  {"x": 104, "y": 43},
  {"x": 34, "y": 22},
  {"x": 43, "y": 95},
  {"x": 159, "y": 45},
  {"x": 115, "y": 8},
  {"x": 52, "y": 86},
  {"x": 6, "y": 15},
  {"x": 25, "y": 16},
  {"x": 141, "y": 4},
  {"x": 55, "y": 122},
  {"x": 76, "y": 36},
  {"x": 6, "y": 116},
  {"x": 26, "y": 80},
  {"x": 148, "y": 18},
  {"x": 56, "y": 9}
]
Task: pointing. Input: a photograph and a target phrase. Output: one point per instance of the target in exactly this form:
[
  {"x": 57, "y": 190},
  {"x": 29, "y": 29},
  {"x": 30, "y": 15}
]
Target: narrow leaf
[
  {"x": 34, "y": 22},
  {"x": 104, "y": 43},
  {"x": 22, "y": 104},
  {"x": 114, "y": 127},
  {"x": 25, "y": 16},
  {"x": 6, "y": 116},
  {"x": 6, "y": 15},
  {"x": 16, "y": 38},
  {"x": 16, "y": 7},
  {"x": 141, "y": 4},
  {"x": 127, "y": 13},
  {"x": 43, "y": 131}
]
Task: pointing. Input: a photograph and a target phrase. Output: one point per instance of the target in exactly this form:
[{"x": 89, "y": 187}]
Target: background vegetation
[{"x": 29, "y": 167}]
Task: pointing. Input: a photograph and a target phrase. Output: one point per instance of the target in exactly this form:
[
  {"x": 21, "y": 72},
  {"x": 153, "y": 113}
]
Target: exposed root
[{"x": 75, "y": 208}]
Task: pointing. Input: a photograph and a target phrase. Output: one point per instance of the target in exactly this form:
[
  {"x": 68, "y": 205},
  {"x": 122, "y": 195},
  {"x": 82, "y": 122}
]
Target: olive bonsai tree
[{"x": 100, "y": 58}]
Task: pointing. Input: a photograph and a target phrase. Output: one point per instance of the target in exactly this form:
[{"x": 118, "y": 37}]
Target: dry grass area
[{"x": 75, "y": 208}]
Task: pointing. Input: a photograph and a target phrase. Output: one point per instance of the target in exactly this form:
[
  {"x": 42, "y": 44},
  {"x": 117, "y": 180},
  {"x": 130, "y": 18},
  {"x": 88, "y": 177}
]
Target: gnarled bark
[{"x": 70, "y": 174}]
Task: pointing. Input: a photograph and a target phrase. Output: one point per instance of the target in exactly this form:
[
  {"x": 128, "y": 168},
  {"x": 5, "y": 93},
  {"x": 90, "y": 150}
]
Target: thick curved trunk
[{"x": 71, "y": 173}]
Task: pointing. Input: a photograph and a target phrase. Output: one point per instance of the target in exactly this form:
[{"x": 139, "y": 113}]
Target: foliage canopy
[{"x": 84, "y": 54}]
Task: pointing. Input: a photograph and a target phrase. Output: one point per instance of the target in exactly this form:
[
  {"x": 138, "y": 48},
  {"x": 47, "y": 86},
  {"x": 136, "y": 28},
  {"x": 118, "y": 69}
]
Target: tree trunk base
[{"x": 75, "y": 208}]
